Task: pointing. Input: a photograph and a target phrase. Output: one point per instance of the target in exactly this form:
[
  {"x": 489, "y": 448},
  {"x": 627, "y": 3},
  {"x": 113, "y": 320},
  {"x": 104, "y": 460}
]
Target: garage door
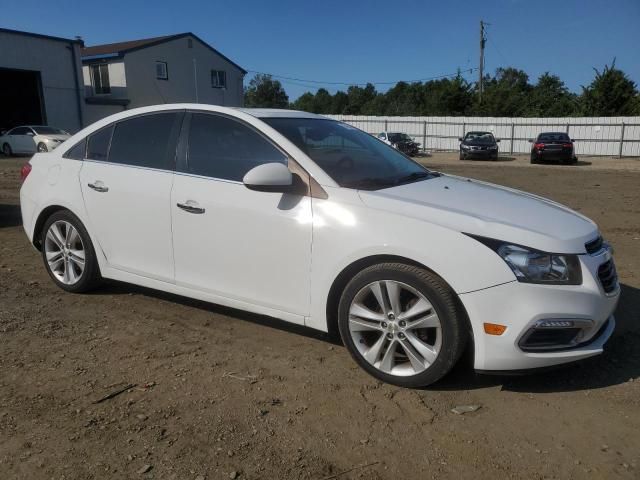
[{"x": 20, "y": 98}]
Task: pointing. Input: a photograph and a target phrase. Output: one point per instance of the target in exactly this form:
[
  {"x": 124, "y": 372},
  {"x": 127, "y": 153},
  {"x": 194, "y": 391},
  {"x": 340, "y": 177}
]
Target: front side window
[
  {"x": 98, "y": 144},
  {"x": 223, "y": 148},
  {"x": 100, "y": 79},
  {"x": 20, "y": 131},
  {"x": 218, "y": 78},
  {"x": 351, "y": 157},
  {"x": 162, "y": 71},
  {"x": 146, "y": 141}
]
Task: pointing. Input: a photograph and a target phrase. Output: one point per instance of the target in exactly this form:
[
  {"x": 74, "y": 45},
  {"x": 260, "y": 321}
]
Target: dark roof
[
  {"x": 46, "y": 37},
  {"x": 121, "y": 48}
]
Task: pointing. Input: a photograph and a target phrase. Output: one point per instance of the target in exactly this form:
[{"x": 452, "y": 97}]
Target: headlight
[
  {"x": 465, "y": 147},
  {"x": 533, "y": 266}
]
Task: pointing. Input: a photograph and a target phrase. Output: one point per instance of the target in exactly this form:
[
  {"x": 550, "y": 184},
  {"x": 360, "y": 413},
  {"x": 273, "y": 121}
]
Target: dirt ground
[{"x": 224, "y": 394}]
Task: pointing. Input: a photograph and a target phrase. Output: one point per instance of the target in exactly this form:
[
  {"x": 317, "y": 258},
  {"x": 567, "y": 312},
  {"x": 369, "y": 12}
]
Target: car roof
[
  {"x": 478, "y": 131},
  {"x": 278, "y": 113}
]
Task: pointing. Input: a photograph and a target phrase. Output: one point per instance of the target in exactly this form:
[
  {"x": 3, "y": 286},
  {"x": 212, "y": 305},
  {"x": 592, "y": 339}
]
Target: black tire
[
  {"x": 494, "y": 157},
  {"x": 42, "y": 148},
  {"x": 90, "y": 277},
  {"x": 454, "y": 326},
  {"x": 6, "y": 150},
  {"x": 462, "y": 156},
  {"x": 534, "y": 159}
]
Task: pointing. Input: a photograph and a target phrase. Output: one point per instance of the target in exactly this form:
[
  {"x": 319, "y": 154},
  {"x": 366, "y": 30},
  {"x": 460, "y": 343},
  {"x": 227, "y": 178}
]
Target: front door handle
[
  {"x": 191, "y": 207},
  {"x": 98, "y": 186}
]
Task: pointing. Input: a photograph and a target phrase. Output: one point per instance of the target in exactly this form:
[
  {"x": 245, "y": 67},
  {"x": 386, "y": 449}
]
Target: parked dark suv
[
  {"x": 479, "y": 145},
  {"x": 555, "y": 146}
]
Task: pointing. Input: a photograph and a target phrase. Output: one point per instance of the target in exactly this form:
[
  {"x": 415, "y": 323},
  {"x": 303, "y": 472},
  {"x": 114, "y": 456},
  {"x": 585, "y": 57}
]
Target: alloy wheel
[
  {"x": 42, "y": 148},
  {"x": 64, "y": 251},
  {"x": 395, "y": 328}
]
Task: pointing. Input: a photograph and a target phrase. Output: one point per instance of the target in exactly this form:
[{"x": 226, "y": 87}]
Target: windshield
[
  {"x": 480, "y": 137},
  {"x": 399, "y": 137},
  {"x": 49, "y": 131},
  {"x": 553, "y": 137},
  {"x": 351, "y": 157}
]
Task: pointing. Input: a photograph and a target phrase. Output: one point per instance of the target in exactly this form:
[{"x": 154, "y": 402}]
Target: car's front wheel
[
  {"x": 402, "y": 324},
  {"x": 68, "y": 253},
  {"x": 462, "y": 156},
  {"x": 42, "y": 148}
]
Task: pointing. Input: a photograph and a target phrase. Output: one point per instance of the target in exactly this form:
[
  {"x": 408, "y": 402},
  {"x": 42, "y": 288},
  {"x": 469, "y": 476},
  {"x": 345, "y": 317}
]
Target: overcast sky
[{"x": 365, "y": 41}]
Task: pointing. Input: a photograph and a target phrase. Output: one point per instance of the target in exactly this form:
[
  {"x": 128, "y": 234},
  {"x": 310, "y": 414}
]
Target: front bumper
[
  {"x": 480, "y": 153},
  {"x": 521, "y": 306}
]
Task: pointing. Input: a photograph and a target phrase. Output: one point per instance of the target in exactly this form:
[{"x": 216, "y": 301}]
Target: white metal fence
[{"x": 614, "y": 136}]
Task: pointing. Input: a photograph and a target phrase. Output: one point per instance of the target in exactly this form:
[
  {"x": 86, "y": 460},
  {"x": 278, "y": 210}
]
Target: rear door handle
[
  {"x": 98, "y": 186},
  {"x": 191, "y": 207}
]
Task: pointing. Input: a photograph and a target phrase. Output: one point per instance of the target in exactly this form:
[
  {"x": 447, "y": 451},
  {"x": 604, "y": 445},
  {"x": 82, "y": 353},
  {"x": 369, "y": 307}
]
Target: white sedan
[
  {"x": 30, "y": 139},
  {"x": 310, "y": 220}
]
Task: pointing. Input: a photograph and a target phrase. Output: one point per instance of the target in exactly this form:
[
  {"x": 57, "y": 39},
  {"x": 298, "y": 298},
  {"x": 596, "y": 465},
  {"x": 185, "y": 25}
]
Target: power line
[{"x": 319, "y": 82}]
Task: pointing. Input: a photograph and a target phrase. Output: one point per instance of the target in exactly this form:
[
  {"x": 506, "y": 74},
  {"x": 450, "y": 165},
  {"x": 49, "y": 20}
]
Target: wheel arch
[
  {"x": 42, "y": 218},
  {"x": 347, "y": 273}
]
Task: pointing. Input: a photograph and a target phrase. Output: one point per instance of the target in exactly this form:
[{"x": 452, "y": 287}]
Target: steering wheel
[{"x": 345, "y": 163}]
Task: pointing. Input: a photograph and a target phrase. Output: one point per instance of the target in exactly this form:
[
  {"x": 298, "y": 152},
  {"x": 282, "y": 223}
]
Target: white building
[{"x": 170, "y": 69}]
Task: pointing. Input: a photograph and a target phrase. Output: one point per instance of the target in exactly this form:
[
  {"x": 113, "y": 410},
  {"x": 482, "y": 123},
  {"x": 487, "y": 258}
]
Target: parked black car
[
  {"x": 479, "y": 145},
  {"x": 401, "y": 141},
  {"x": 555, "y": 146}
]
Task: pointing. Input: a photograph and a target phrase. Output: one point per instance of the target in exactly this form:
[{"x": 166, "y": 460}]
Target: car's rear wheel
[
  {"x": 534, "y": 159},
  {"x": 402, "y": 324},
  {"x": 6, "y": 149},
  {"x": 68, "y": 253},
  {"x": 42, "y": 148}
]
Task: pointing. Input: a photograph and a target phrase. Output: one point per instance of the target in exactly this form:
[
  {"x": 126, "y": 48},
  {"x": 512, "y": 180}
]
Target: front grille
[
  {"x": 608, "y": 276},
  {"x": 594, "y": 246}
]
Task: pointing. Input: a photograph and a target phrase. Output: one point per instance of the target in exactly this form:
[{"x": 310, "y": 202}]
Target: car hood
[
  {"x": 60, "y": 137},
  {"x": 480, "y": 208},
  {"x": 479, "y": 144}
]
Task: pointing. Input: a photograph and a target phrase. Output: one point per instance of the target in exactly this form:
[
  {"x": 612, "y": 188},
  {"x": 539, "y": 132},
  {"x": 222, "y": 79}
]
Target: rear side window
[
  {"x": 77, "y": 152},
  {"x": 98, "y": 145},
  {"x": 146, "y": 141},
  {"x": 220, "y": 147}
]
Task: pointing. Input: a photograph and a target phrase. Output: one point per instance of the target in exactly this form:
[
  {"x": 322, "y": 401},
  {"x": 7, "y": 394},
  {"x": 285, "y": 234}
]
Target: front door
[
  {"x": 126, "y": 183},
  {"x": 249, "y": 246}
]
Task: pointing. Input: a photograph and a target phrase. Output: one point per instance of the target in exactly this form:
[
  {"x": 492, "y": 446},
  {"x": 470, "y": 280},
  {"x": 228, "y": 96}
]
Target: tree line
[{"x": 507, "y": 93}]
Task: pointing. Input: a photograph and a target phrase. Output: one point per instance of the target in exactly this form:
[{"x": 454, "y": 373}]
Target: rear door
[
  {"x": 250, "y": 246},
  {"x": 126, "y": 181}
]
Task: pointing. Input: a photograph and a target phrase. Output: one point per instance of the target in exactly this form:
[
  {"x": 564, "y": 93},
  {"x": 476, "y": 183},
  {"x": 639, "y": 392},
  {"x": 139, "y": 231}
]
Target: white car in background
[
  {"x": 310, "y": 220},
  {"x": 29, "y": 139}
]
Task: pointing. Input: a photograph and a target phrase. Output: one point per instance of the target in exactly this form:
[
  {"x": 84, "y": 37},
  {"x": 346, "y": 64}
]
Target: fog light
[
  {"x": 494, "y": 329},
  {"x": 555, "y": 324}
]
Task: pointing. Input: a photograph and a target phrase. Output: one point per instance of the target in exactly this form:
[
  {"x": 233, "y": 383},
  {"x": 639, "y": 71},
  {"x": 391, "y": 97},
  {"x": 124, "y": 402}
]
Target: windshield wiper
[
  {"x": 370, "y": 183},
  {"x": 412, "y": 177}
]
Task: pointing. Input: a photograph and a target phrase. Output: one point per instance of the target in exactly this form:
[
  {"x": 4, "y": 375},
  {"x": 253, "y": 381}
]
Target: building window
[
  {"x": 100, "y": 78},
  {"x": 162, "y": 72},
  {"x": 218, "y": 79}
]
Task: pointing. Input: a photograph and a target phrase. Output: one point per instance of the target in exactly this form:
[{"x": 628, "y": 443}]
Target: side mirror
[
  {"x": 530, "y": 140},
  {"x": 497, "y": 140},
  {"x": 269, "y": 177},
  {"x": 572, "y": 140},
  {"x": 459, "y": 139}
]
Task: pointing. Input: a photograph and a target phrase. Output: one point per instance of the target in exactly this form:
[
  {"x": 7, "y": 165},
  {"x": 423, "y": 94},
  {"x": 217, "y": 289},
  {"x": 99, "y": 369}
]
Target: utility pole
[{"x": 483, "y": 39}]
